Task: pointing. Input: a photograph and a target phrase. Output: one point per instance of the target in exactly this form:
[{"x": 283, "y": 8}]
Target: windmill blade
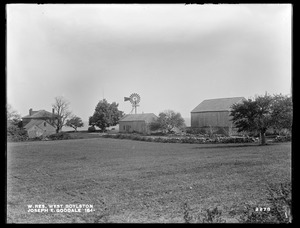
[{"x": 135, "y": 98}]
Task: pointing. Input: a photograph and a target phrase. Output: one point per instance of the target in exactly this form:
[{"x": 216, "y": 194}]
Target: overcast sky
[{"x": 173, "y": 56}]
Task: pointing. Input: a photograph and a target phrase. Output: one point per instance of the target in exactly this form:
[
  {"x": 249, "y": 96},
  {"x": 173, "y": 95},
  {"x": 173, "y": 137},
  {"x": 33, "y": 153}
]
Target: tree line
[{"x": 251, "y": 116}]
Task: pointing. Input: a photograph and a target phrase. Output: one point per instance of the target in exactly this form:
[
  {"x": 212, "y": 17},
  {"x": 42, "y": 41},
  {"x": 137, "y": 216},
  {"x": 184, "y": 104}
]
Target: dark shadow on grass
[{"x": 231, "y": 146}]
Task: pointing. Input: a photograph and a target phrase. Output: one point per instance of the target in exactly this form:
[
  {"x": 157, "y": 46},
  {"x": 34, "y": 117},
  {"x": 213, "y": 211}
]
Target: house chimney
[
  {"x": 30, "y": 111},
  {"x": 53, "y": 111}
]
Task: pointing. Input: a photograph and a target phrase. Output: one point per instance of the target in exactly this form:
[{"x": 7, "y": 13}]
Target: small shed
[
  {"x": 214, "y": 113},
  {"x": 136, "y": 123}
]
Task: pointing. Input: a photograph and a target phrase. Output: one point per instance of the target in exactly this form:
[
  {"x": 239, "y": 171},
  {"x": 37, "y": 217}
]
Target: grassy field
[{"x": 132, "y": 181}]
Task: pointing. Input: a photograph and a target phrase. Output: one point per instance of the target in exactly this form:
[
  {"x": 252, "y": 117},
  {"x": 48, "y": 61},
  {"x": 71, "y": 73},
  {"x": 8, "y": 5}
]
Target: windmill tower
[{"x": 134, "y": 100}]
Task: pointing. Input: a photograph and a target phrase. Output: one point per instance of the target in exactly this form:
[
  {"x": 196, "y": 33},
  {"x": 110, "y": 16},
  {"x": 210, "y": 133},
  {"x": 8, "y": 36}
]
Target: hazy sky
[{"x": 173, "y": 56}]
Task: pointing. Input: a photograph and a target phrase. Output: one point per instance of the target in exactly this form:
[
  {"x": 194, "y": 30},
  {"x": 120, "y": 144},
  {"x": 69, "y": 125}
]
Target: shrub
[
  {"x": 59, "y": 136},
  {"x": 213, "y": 216},
  {"x": 16, "y": 134},
  {"x": 205, "y": 216},
  {"x": 221, "y": 131},
  {"x": 196, "y": 131},
  {"x": 279, "y": 200},
  {"x": 91, "y": 129},
  {"x": 159, "y": 133},
  {"x": 182, "y": 139},
  {"x": 149, "y": 139},
  {"x": 251, "y": 215},
  {"x": 286, "y": 138},
  {"x": 186, "y": 213}
]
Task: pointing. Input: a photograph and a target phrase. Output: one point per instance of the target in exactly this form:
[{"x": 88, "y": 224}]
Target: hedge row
[
  {"x": 57, "y": 136},
  {"x": 189, "y": 139},
  {"x": 286, "y": 138}
]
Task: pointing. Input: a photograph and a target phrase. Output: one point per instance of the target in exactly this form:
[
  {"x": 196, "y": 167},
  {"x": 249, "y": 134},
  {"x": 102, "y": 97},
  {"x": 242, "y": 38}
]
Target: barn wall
[
  {"x": 130, "y": 126},
  {"x": 214, "y": 119}
]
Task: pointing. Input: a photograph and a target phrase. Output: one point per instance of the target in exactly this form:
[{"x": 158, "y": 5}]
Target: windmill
[{"x": 134, "y": 100}]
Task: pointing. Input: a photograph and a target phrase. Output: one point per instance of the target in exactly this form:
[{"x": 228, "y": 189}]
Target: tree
[
  {"x": 74, "y": 122},
  {"x": 15, "y": 131},
  {"x": 13, "y": 117},
  {"x": 259, "y": 114},
  {"x": 92, "y": 121},
  {"x": 105, "y": 115},
  {"x": 282, "y": 114},
  {"x": 61, "y": 109},
  {"x": 167, "y": 121}
]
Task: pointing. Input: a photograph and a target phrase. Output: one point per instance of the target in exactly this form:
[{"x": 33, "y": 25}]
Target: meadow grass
[{"x": 133, "y": 181}]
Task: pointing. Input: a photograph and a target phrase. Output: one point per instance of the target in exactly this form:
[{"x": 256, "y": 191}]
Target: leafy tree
[
  {"x": 105, "y": 115},
  {"x": 74, "y": 122},
  {"x": 282, "y": 114},
  {"x": 167, "y": 121},
  {"x": 260, "y": 114},
  {"x": 15, "y": 131},
  {"x": 61, "y": 108},
  {"x": 92, "y": 121},
  {"x": 13, "y": 117}
]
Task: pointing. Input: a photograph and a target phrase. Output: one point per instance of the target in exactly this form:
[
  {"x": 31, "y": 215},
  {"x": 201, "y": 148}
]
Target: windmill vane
[{"x": 134, "y": 100}]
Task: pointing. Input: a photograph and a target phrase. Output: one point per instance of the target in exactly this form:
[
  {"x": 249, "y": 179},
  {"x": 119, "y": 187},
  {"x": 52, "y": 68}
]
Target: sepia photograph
[{"x": 149, "y": 113}]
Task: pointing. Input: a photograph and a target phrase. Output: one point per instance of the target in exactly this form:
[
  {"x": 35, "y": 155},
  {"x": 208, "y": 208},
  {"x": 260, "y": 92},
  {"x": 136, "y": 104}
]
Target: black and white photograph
[{"x": 149, "y": 113}]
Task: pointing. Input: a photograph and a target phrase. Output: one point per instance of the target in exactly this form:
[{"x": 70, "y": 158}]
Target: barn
[
  {"x": 213, "y": 114},
  {"x": 136, "y": 123}
]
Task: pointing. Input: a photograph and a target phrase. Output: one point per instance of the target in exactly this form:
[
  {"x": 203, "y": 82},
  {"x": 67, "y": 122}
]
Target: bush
[
  {"x": 205, "y": 216},
  {"x": 196, "y": 131},
  {"x": 213, "y": 216},
  {"x": 91, "y": 129},
  {"x": 279, "y": 205},
  {"x": 183, "y": 139},
  {"x": 59, "y": 136},
  {"x": 286, "y": 138},
  {"x": 16, "y": 134},
  {"x": 221, "y": 131},
  {"x": 160, "y": 133}
]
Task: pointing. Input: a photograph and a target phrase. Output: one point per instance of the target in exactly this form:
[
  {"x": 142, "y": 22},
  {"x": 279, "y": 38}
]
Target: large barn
[
  {"x": 214, "y": 114},
  {"x": 136, "y": 123}
]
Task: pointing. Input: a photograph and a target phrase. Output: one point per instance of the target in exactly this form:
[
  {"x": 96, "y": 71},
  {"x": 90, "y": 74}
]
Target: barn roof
[
  {"x": 40, "y": 114},
  {"x": 147, "y": 117},
  {"x": 219, "y": 104}
]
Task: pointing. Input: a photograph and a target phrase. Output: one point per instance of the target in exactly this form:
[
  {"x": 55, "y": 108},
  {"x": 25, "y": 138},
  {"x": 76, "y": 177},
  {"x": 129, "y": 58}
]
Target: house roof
[
  {"x": 40, "y": 114},
  {"x": 219, "y": 104},
  {"x": 147, "y": 117},
  {"x": 34, "y": 122}
]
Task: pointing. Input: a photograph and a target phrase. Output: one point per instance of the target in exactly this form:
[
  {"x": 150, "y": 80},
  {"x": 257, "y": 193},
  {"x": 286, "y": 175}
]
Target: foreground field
[{"x": 131, "y": 181}]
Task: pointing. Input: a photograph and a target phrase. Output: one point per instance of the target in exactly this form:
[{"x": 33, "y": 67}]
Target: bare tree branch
[{"x": 61, "y": 109}]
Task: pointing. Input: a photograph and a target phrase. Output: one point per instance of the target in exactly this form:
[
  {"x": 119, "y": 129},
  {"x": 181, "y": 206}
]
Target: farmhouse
[
  {"x": 136, "y": 123},
  {"x": 39, "y": 123},
  {"x": 214, "y": 114}
]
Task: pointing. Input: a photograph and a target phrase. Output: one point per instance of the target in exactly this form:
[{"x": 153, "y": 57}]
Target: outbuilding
[
  {"x": 136, "y": 123},
  {"x": 214, "y": 114}
]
